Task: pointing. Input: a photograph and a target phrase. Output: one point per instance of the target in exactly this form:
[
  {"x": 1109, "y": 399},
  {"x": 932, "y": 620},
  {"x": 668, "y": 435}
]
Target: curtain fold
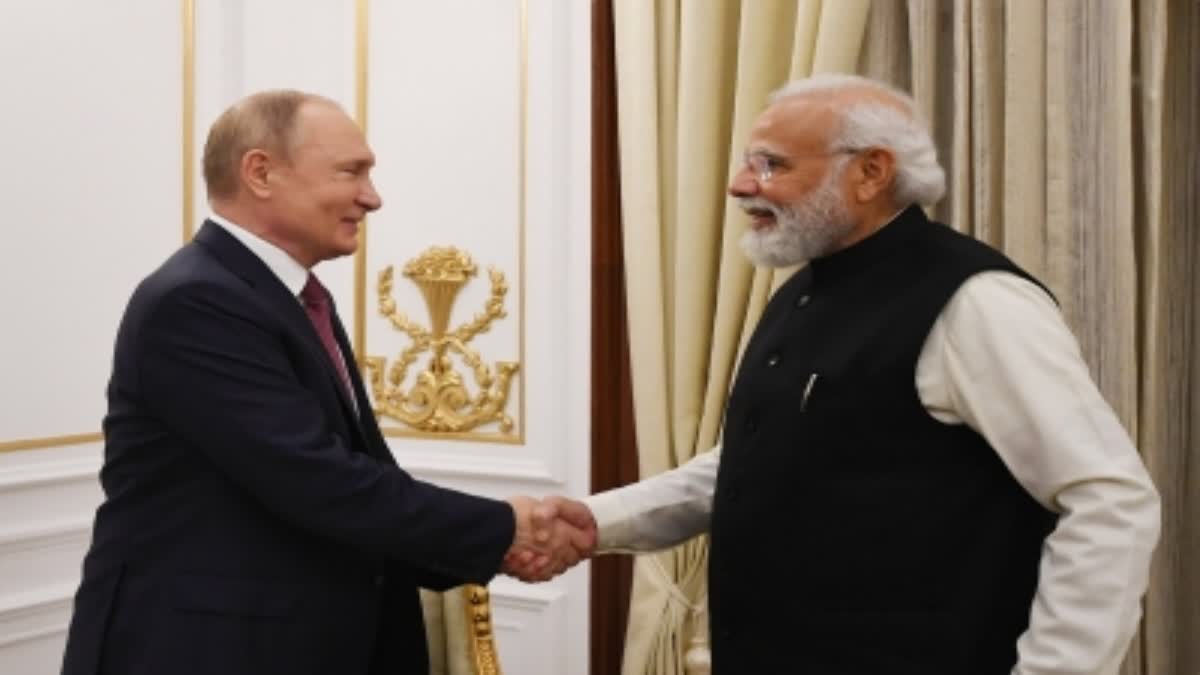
[
  {"x": 1068, "y": 130},
  {"x": 1169, "y": 248},
  {"x": 691, "y": 78}
]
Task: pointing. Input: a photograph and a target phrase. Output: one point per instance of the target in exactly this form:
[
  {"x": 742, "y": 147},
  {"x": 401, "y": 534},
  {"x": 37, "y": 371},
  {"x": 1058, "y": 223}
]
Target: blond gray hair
[{"x": 264, "y": 121}]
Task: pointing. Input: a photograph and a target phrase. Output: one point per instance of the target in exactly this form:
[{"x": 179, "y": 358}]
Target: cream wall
[{"x": 478, "y": 111}]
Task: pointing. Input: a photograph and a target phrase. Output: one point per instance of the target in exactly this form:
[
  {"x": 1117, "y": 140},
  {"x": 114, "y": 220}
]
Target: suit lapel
[{"x": 242, "y": 262}]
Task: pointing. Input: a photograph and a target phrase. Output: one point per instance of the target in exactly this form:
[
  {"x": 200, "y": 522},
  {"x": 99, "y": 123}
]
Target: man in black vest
[{"x": 918, "y": 475}]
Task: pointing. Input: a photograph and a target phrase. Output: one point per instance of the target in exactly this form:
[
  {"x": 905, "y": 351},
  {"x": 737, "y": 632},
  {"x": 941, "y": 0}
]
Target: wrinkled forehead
[
  {"x": 327, "y": 126},
  {"x": 809, "y": 121},
  {"x": 797, "y": 125}
]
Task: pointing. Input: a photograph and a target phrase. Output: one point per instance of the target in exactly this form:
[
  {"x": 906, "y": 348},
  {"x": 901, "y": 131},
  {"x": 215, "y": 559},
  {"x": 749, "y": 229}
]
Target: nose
[
  {"x": 368, "y": 198},
  {"x": 743, "y": 184}
]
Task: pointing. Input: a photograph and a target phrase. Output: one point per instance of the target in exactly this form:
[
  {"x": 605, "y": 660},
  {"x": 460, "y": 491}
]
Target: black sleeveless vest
[{"x": 852, "y": 533}]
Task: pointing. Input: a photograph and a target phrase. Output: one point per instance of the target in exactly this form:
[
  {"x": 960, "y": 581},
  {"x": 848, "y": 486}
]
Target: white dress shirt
[
  {"x": 1001, "y": 360},
  {"x": 291, "y": 273}
]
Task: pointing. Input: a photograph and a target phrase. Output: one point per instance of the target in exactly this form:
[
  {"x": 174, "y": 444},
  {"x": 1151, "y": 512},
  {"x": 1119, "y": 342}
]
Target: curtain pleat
[{"x": 692, "y": 76}]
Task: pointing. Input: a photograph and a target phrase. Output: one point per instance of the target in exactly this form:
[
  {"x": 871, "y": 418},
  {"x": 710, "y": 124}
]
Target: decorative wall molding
[
  {"x": 52, "y": 535},
  {"x": 524, "y": 614},
  {"x": 477, "y": 466},
  {"x": 525, "y": 597},
  {"x": 519, "y": 314},
  {"x": 50, "y": 442},
  {"x": 35, "y": 614},
  {"x": 42, "y": 474}
]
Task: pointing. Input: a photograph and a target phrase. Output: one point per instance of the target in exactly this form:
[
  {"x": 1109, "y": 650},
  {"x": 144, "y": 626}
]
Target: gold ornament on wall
[{"x": 439, "y": 401}]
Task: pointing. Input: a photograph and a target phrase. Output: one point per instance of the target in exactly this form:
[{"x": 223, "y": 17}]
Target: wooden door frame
[{"x": 613, "y": 442}]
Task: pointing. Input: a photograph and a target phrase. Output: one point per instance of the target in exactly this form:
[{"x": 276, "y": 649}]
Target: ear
[
  {"x": 256, "y": 172},
  {"x": 877, "y": 172}
]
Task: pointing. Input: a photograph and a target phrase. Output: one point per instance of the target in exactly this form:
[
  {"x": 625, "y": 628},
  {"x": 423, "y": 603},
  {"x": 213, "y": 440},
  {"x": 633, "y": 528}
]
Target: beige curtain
[
  {"x": 1069, "y": 132},
  {"x": 1167, "y": 226},
  {"x": 692, "y": 75},
  {"x": 1069, "y": 129}
]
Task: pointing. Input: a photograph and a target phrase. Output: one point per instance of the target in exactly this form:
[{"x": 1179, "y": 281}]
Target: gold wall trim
[
  {"x": 50, "y": 442},
  {"x": 361, "y": 54},
  {"x": 400, "y": 432},
  {"x": 360, "y": 259},
  {"x": 189, "y": 118},
  {"x": 523, "y": 132},
  {"x": 188, "y": 124}
]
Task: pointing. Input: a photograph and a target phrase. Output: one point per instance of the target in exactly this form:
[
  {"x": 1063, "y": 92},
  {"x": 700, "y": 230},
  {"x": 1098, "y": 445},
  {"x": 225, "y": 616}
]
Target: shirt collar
[{"x": 292, "y": 274}]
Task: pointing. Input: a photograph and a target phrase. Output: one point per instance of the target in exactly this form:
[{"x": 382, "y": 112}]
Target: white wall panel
[
  {"x": 39, "y": 487},
  {"x": 91, "y": 192},
  {"x": 47, "y": 500},
  {"x": 529, "y": 625}
]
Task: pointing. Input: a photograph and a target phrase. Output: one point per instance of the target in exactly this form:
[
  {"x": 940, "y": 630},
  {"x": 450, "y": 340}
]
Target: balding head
[{"x": 263, "y": 121}]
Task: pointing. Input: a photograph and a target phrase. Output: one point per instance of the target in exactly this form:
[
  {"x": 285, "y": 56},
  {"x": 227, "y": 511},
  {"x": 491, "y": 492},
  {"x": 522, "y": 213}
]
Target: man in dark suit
[{"x": 255, "y": 521}]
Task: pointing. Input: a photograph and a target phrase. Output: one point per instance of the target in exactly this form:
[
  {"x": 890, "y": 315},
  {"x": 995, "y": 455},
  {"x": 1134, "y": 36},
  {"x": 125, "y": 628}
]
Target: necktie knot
[{"x": 314, "y": 294}]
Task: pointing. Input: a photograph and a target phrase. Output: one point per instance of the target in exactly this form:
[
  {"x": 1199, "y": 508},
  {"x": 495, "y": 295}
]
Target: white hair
[{"x": 878, "y": 124}]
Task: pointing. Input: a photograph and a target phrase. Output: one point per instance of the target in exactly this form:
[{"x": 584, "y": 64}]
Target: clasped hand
[{"x": 552, "y": 536}]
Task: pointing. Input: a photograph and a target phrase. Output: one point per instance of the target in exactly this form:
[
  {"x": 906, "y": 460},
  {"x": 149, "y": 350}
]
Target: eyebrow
[{"x": 765, "y": 152}]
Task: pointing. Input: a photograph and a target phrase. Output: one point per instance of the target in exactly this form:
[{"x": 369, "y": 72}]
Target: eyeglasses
[{"x": 764, "y": 164}]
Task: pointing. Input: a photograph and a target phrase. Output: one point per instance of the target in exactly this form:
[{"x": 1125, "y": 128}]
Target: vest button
[
  {"x": 734, "y": 494},
  {"x": 803, "y": 300},
  {"x": 751, "y": 424},
  {"x": 773, "y": 360}
]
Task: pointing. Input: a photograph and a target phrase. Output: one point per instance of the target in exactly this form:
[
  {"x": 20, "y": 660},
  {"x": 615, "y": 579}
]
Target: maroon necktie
[{"x": 320, "y": 312}]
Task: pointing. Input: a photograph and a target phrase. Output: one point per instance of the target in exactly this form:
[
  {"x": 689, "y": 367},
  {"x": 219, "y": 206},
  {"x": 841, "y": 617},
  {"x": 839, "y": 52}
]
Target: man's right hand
[{"x": 551, "y": 537}]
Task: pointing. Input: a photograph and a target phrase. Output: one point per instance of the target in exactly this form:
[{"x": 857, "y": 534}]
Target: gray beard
[{"x": 803, "y": 231}]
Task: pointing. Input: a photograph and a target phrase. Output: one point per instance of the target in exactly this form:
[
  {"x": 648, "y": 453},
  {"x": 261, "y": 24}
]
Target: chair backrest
[{"x": 458, "y": 626}]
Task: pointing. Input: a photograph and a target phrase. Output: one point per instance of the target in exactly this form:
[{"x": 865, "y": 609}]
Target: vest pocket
[{"x": 818, "y": 392}]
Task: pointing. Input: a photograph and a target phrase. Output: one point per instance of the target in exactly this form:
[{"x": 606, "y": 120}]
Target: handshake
[{"x": 552, "y": 535}]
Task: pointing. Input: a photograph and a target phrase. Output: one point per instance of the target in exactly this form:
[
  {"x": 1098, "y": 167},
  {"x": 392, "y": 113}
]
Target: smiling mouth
[{"x": 761, "y": 218}]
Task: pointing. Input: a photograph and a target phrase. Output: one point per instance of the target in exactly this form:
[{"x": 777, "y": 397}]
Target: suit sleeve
[{"x": 218, "y": 378}]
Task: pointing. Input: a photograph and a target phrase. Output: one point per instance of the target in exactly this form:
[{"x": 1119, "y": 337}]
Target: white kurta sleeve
[
  {"x": 658, "y": 512},
  {"x": 1001, "y": 359}
]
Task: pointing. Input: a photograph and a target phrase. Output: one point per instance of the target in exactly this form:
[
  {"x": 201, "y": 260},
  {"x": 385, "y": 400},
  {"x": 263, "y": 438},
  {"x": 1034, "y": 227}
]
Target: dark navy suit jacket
[{"x": 255, "y": 523}]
